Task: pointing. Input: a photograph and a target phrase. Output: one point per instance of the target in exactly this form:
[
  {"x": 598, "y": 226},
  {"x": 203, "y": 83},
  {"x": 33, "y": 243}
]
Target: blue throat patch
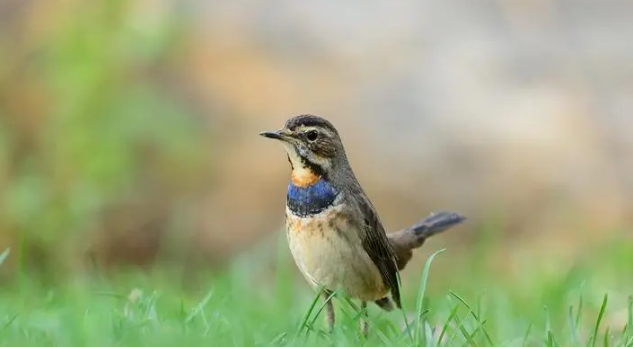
[{"x": 305, "y": 201}]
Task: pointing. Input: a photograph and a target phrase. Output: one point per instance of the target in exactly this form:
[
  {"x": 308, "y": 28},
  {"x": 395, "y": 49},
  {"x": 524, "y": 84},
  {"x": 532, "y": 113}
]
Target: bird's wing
[{"x": 377, "y": 246}]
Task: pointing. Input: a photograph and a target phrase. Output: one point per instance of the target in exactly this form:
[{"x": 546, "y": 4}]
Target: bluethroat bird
[{"x": 334, "y": 233}]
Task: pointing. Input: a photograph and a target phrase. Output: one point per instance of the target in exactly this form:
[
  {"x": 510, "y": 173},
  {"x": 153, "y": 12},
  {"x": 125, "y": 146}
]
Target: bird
[{"x": 334, "y": 233}]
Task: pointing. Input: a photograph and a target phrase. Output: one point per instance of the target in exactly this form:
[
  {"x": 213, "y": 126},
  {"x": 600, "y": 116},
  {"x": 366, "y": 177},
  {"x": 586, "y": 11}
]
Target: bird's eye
[{"x": 312, "y": 135}]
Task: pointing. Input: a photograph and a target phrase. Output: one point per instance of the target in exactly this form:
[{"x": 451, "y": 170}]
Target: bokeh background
[{"x": 128, "y": 128}]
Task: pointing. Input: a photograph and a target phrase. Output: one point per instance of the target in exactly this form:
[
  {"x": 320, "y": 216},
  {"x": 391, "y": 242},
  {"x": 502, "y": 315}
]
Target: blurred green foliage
[{"x": 87, "y": 121}]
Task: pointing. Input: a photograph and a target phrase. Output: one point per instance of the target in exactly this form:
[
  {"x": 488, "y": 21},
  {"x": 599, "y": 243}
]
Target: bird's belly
[{"x": 329, "y": 253}]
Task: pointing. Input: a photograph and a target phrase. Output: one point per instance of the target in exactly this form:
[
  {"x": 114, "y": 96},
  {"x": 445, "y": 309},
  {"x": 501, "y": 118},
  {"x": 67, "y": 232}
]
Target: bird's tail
[
  {"x": 403, "y": 242},
  {"x": 436, "y": 223}
]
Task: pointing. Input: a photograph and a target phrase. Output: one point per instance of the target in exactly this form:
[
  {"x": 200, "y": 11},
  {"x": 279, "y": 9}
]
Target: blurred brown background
[{"x": 128, "y": 128}]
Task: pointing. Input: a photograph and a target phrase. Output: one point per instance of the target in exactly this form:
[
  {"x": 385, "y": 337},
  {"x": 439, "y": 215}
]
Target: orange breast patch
[{"x": 304, "y": 178}]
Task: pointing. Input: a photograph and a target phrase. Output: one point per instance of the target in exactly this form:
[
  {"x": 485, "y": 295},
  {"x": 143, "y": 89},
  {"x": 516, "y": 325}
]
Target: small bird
[{"x": 334, "y": 233}]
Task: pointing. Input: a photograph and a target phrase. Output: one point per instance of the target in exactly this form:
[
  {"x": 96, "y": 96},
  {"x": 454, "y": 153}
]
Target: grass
[{"x": 247, "y": 305}]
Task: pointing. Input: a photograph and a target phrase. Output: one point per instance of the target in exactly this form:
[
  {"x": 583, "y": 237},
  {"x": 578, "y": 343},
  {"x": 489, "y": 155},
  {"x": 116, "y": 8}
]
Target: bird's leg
[
  {"x": 364, "y": 323},
  {"x": 329, "y": 309}
]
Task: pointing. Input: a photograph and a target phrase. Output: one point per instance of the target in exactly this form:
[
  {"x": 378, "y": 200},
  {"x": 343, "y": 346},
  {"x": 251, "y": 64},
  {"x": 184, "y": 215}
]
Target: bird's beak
[{"x": 277, "y": 135}]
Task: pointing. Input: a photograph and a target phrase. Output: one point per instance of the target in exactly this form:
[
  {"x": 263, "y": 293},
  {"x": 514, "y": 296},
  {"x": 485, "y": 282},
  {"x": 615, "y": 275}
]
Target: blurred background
[{"x": 128, "y": 128}]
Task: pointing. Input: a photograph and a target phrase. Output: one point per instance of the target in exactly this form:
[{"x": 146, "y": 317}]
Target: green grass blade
[
  {"x": 199, "y": 308},
  {"x": 318, "y": 312},
  {"x": 9, "y": 321},
  {"x": 446, "y": 324},
  {"x": 548, "y": 323},
  {"x": 551, "y": 341},
  {"x": 626, "y": 330},
  {"x": 527, "y": 335},
  {"x": 475, "y": 315},
  {"x": 573, "y": 327},
  {"x": 456, "y": 331},
  {"x": 603, "y": 308},
  {"x": 4, "y": 255},
  {"x": 404, "y": 315},
  {"x": 407, "y": 326},
  {"x": 373, "y": 329},
  {"x": 428, "y": 331},
  {"x": 420, "y": 299},
  {"x": 579, "y": 313},
  {"x": 304, "y": 322},
  {"x": 278, "y": 340},
  {"x": 360, "y": 314},
  {"x": 468, "y": 336}
]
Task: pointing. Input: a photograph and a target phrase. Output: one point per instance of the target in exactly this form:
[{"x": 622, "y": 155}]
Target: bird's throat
[
  {"x": 304, "y": 177},
  {"x": 309, "y": 194}
]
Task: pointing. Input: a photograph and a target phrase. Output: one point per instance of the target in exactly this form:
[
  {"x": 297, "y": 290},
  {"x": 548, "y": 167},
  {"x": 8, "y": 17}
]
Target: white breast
[{"x": 328, "y": 251}]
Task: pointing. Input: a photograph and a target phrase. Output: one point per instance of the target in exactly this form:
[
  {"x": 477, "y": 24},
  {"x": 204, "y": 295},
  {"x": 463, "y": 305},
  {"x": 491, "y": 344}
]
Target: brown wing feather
[{"x": 379, "y": 250}]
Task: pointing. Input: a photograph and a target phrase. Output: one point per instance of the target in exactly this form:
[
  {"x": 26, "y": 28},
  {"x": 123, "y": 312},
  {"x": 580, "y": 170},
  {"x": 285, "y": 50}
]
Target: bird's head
[{"x": 313, "y": 145}]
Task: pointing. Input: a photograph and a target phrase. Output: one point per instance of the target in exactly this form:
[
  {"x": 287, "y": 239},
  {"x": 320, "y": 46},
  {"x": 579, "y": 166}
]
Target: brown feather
[{"x": 377, "y": 246}]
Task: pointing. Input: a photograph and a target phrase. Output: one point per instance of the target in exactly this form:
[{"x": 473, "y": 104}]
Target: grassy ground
[{"x": 258, "y": 302}]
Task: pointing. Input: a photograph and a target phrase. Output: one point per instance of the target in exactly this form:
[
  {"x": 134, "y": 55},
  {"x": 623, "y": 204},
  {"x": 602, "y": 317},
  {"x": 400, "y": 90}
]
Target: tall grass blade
[
  {"x": 446, "y": 324},
  {"x": 626, "y": 331},
  {"x": 420, "y": 299},
  {"x": 527, "y": 335},
  {"x": 4, "y": 255},
  {"x": 603, "y": 308},
  {"x": 468, "y": 336},
  {"x": 579, "y": 313},
  {"x": 304, "y": 322},
  {"x": 318, "y": 313},
  {"x": 573, "y": 327},
  {"x": 475, "y": 315}
]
